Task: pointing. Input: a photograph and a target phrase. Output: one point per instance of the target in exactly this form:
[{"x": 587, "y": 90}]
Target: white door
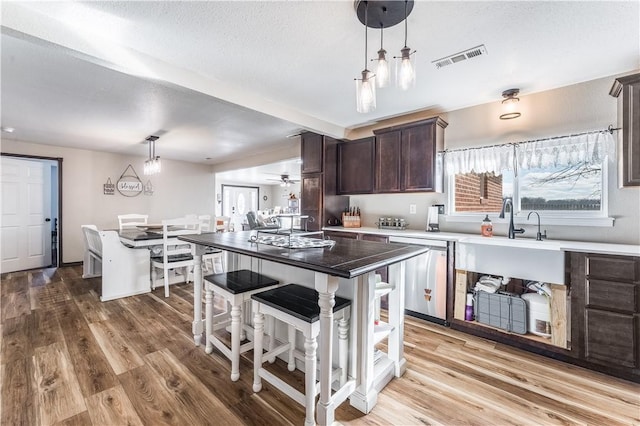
[
  {"x": 237, "y": 201},
  {"x": 25, "y": 227}
]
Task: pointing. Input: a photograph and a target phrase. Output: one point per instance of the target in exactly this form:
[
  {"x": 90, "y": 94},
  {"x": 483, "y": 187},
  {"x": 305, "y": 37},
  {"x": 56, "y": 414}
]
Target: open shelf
[
  {"x": 558, "y": 308},
  {"x": 381, "y": 331}
]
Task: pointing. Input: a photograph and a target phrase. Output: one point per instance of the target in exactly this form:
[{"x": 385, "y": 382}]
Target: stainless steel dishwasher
[{"x": 426, "y": 280}]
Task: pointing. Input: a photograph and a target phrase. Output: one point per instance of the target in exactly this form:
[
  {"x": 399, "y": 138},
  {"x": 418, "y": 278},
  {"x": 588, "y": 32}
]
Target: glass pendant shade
[
  {"x": 406, "y": 69},
  {"x": 382, "y": 70},
  {"x": 152, "y": 166},
  {"x": 366, "y": 92}
]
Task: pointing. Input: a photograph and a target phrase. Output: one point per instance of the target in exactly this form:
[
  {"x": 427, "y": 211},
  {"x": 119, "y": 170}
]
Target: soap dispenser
[{"x": 487, "y": 228}]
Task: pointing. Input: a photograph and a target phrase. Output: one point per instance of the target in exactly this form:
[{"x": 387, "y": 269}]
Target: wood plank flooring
[{"x": 67, "y": 358}]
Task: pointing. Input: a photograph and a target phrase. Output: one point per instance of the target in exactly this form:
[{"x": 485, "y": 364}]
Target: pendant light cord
[
  {"x": 405, "y": 22},
  {"x": 366, "y": 20}
]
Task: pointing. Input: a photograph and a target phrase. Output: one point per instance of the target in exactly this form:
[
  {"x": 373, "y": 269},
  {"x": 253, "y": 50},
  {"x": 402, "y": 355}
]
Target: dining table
[
  {"x": 346, "y": 263},
  {"x": 142, "y": 237}
]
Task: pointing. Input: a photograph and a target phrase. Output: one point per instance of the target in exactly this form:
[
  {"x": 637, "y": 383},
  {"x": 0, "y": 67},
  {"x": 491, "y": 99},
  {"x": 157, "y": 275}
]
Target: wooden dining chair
[
  {"x": 131, "y": 220},
  {"x": 175, "y": 254}
]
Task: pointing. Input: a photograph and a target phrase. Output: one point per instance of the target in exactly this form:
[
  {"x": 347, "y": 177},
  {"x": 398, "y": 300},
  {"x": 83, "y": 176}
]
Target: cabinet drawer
[
  {"x": 612, "y": 296},
  {"x": 612, "y": 268},
  {"x": 611, "y": 338}
]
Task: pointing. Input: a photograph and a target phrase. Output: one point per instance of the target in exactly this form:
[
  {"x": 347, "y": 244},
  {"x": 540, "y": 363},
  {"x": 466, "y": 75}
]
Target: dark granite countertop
[{"x": 348, "y": 258}]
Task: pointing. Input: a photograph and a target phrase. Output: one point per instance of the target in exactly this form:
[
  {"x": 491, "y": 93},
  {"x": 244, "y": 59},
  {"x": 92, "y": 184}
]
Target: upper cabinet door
[
  {"x": 388, "y": 154},
  {"x": 355, "y": 166},
  {"x": 418, "y": 158},
  {"x": 627, "y": 89},
  {"x": 311, "y": 149}
]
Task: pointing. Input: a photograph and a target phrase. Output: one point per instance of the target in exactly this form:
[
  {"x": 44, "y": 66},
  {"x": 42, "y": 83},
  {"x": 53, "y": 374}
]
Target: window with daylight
[{"x": 560, "y": 175}]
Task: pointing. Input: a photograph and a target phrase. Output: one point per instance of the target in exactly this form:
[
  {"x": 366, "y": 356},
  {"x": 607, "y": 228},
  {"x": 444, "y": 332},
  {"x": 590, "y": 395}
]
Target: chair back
[
  {"x": 205, "y": 222},
  {"x": 222, "y": 223},
  {"x": 92, "y": 241},
  {"x": 252, "y": 220},
  {"x": 172, "y": 228},
  {"x": 131, "y": 220}
]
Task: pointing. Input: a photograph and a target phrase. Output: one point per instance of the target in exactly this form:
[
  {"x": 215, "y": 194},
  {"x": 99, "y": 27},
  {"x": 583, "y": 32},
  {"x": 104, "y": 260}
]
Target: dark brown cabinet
[
  {"x": 387, "y": 168},
  {"x": 355, "y": 166},
  {"x": 339, "y": 234},
  {"x": 605, "y": 311},
  {"x": 311, "y": 152},
  {"x": 318, "y": 188},
  {"x": 384, "y": 272},
  {"x": 405, "y": 156},
  {"x": 627, "y": 90}
]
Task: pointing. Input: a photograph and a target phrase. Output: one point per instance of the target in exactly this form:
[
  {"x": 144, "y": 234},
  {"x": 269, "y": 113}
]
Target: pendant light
[
  {"x": 382, "y": 14},
  {"x": 405, "y": 64},
  {"x": 365, "y": 86},
  {"x": 382, "y": 69},
  {"x": 152, "y": 166}
]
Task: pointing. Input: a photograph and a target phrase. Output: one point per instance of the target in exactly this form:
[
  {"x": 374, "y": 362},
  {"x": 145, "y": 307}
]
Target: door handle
[{"x": 48, "y": 219}]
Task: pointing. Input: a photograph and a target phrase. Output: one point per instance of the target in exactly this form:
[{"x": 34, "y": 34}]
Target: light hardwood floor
[{"x": 67, "y": 358}]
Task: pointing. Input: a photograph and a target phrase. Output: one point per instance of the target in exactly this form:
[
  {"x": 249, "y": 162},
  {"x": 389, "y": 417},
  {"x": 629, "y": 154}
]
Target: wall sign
[
  {"x": 129, "y": 185},
  {"x": 109, "y": 188},
  {"x": 148, "y": 188}
]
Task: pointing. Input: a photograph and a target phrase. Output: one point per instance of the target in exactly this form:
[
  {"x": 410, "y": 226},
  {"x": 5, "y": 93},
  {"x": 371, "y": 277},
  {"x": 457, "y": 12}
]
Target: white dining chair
[
  {"x": 213, "y": 259},
  {"x": 175, "y": 254},
  {"x": 131, "y": 220},
  {"x": 222, "y": 223}
]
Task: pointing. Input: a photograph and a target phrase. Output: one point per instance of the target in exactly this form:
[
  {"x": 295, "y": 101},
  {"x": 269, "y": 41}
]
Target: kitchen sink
[{"x": 515, "y": 258}]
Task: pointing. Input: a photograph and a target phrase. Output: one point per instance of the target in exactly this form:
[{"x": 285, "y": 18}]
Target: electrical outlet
[{"x": 412, "y": 209}]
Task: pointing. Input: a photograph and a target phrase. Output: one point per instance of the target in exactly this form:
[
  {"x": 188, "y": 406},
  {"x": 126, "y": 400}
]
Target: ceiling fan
[{"x": 285, "y": 180}]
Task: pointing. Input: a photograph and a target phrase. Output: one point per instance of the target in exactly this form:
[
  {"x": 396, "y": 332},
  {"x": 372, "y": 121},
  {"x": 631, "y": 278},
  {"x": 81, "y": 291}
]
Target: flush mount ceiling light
[
  {"x": 510, "y": 103},
  {"x": 152, "y": 166},
  {"x": 383, "y": 14}
]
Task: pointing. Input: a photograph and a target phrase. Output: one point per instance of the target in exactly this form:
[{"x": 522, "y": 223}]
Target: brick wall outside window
[{"x": 478, "y": 192}]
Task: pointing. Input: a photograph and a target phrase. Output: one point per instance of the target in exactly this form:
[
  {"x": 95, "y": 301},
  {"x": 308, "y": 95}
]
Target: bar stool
[
  {"x": 235, "y": 288},
  {"x": 298, "y": 307}
]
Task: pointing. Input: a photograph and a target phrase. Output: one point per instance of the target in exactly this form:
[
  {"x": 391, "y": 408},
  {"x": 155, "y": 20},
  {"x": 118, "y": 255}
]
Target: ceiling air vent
[{"x": 461, "y": 56}]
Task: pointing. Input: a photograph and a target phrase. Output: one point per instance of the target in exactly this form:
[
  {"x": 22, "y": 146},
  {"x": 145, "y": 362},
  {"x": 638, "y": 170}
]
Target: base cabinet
[
  {"x": 384, "y": 272},
  {"x": 605, "y": 312}
]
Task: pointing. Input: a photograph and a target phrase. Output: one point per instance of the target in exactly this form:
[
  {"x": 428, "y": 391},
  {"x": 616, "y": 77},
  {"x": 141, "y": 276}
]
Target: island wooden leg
[
  {"x": 396, "y": 319},
  {"x": 197, "y": 295},
  {"x": 362, "y": 319},
  {"x": 326, "y": 286}
]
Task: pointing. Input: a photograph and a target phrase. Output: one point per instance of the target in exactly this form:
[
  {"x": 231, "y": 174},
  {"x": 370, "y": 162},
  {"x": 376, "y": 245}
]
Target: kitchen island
[{"x": 350, "y": 263}]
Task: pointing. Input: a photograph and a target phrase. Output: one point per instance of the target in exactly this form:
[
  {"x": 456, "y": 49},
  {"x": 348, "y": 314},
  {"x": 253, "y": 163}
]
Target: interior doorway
[
  {"x": 30, "y": 213},
  {"x": 237, "y": 200}
]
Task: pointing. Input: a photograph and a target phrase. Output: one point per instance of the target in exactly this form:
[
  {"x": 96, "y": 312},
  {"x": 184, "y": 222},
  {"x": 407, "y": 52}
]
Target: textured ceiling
[{"x": 224, "y": 79}]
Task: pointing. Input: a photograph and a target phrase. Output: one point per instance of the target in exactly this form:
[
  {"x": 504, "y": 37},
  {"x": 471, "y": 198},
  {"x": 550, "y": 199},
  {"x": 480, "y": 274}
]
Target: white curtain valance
[{"x": 587, "y": 148}]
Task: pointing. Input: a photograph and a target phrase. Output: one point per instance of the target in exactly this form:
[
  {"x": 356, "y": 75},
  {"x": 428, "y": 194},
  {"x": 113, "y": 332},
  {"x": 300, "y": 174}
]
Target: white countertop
[{"x": 564, "y": 245}]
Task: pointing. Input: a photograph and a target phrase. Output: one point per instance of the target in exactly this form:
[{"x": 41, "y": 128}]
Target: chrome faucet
[
  {"x": 539, "y": 235},
  {"x": 512, "y": 231}
]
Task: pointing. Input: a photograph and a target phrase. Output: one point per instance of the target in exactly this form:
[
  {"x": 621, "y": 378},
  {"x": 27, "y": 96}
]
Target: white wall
[
  {"x": 275, "y": 194},
  {"x": 572, "y": 109},
  {"x": 182, "y": 188}
]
